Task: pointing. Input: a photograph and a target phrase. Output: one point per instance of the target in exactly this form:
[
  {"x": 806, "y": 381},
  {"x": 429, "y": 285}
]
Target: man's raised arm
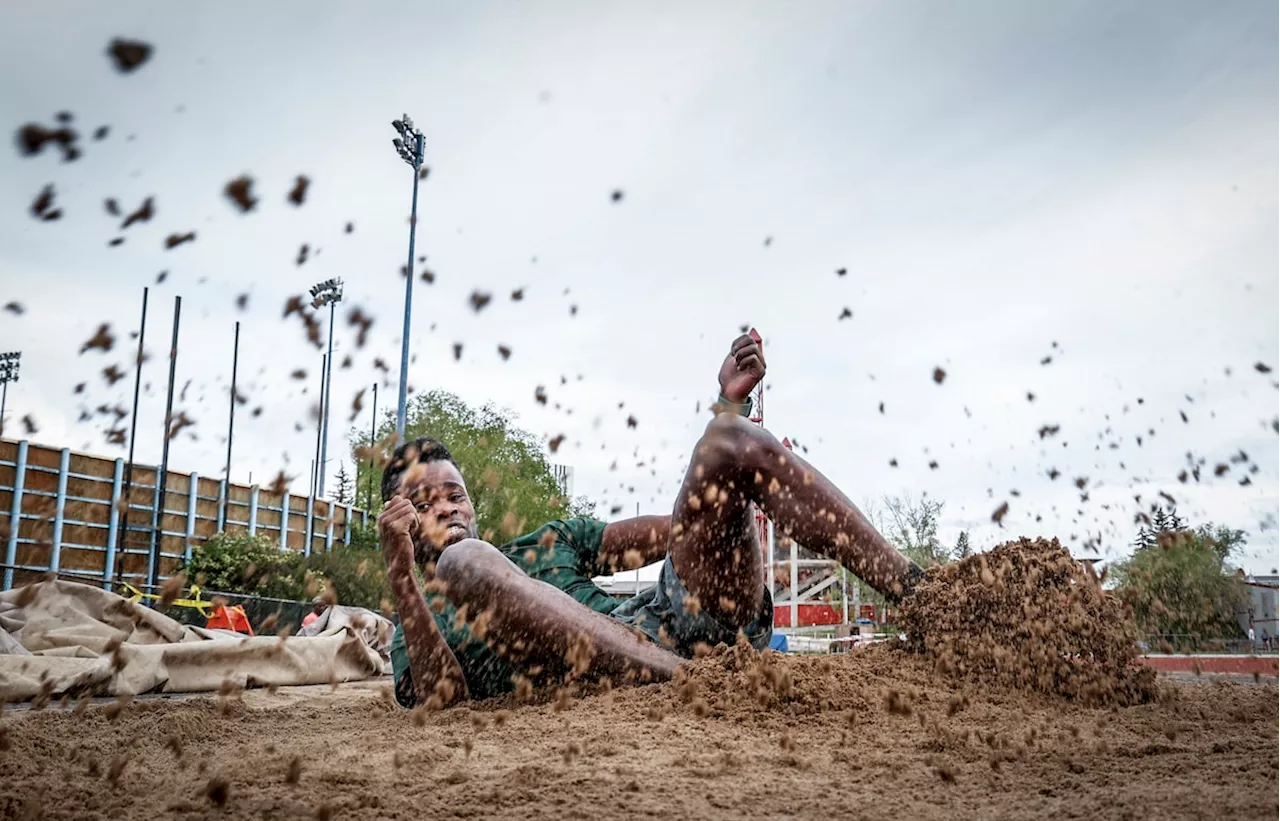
[
  {"x": 437, "y": 677},
  {"x": 633, "y": 543}
]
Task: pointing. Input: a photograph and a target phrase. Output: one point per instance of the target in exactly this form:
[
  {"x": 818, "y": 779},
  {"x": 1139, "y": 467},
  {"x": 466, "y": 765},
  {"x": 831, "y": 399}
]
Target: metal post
[
  {"x": 64, "y": 466},
  {"x": 133, "y": 431},
  {"x": 844, "y": 593},
  {"x": 15, "y": 514},
  {"x": 773, "y": 587},
  {"x": 193, "y": 490},
  {"x": 162, "y": 483},
  {"x": 315, "y": 465},
  {"x": 324, "y": 404},
  {"x": 408, "y": 296},
  {"x": 373, "y": 437},
  {"x": 346, "y": 526},
  {"x": 328, "y": 536},
  {"x": 253, "y": 511},
  {"x": 284, "y": 520},
  {"x": 4, "y": 400},
  {"x": 311, "y": 506},
  {"x": 223, "y": 490},
  {"x": 795, "y": 586},
  {"x": 113, "y": 525},
  {"x": 231, "y": 424}
]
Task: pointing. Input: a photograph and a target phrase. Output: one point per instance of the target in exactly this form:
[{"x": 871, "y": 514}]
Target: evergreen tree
[
  {"x": 343, "y": 494},
  {"x": 963, "y": 550}
]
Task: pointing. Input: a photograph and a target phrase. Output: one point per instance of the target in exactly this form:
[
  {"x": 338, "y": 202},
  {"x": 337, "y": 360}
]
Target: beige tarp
[{"x": 59, "y": 636}]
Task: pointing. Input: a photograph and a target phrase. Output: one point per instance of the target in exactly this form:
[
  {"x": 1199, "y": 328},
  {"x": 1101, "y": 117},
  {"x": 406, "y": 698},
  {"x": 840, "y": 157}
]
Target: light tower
[
  {"x": 328, "y": 293},
  {"x": 9, "y": 363},
  {"x": 409, "y": 146}
]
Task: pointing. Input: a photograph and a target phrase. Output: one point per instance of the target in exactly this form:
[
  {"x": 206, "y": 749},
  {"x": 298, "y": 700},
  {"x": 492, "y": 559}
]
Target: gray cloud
[{"x": 995, "y": 177}]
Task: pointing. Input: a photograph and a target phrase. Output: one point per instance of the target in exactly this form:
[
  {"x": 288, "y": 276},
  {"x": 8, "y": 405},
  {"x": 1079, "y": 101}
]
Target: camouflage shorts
[{"x": 663, "y": 607}]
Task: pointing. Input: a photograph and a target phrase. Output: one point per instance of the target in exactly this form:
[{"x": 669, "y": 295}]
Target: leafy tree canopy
[
  {"x": 509, "y": 478},
  {"x": 1183, "y": 583}
]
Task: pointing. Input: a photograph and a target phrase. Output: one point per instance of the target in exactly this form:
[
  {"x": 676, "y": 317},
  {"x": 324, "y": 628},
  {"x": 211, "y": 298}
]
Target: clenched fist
[
  {"x": 743, "y": 368},
  {"x": 397, "y": 528}
]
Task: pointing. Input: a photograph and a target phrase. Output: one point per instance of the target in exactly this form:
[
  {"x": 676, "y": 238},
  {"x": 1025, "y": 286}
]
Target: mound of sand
[{"x": 1028, "y": 616}]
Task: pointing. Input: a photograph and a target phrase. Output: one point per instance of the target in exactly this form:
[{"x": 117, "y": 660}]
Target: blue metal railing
[{"x": 230, "y": 514}]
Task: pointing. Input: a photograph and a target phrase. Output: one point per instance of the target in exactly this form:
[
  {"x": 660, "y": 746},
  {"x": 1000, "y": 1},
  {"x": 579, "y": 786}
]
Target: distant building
[
  {"x": 1262, "y": 608},
  {"x": 564, "y": 478}
]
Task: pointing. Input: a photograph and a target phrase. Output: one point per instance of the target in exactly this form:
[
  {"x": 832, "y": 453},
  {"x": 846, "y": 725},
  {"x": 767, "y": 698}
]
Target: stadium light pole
[
  {"x": 373, "y": 436},
  {"x": 328, "y": 293},
  {"x": 9, "y": 363},
  {"x": 409, "y": 146}
]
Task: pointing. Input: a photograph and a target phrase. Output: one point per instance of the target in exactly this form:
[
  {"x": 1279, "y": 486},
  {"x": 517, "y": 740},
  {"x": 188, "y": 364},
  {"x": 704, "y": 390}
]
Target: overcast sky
[{"x": 1004, "y": 183}]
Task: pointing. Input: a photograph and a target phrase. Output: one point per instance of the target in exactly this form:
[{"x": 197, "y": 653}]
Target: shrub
[
  {"x": 240, "y": 563},
  {"x": 256, "y": 566}
]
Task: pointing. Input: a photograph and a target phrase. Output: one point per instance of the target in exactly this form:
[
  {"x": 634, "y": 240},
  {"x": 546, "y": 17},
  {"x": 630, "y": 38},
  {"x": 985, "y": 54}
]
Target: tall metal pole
[
  {"x": 133, "y": 438},
  {"x": 4, "y": 399},
  {"x": 157, "y": 515},
  {"x": 324, "y": 409},
  {"x": 408, "y": 295},
  {"x": 373, "y": 435},
  {"x": 315, "y": 463},
  {"x": 231, "y": 424}
]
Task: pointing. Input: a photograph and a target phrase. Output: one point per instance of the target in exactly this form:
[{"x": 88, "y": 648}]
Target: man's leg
[
  {"x": 714, "y": 548},
  {"x": 535, "y": 625}
]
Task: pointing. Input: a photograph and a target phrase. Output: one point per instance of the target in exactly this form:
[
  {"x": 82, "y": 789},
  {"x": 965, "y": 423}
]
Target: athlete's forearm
[{"x": 437, "y": 676}]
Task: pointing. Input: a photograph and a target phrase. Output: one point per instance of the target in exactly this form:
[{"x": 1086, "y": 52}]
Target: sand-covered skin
[
  {"x": 1029, "y": 616},
  {"x": 743, "y": 736}
]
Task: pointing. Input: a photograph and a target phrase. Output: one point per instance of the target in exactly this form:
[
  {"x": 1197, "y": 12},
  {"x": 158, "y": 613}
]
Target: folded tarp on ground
[{"x": 63, "y": 637}]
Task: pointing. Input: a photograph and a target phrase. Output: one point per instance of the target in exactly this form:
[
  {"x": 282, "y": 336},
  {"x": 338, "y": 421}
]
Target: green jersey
[{"x": 567, "y": 559}]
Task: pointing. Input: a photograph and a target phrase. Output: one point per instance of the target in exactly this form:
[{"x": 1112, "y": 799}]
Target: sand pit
[
  {"x": 953, "y": 724},
  {"x": 875, "y": 733}
]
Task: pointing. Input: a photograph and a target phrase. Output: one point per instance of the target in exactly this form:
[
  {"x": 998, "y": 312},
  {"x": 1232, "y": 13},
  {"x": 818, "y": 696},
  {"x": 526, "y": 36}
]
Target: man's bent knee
[
  {"x": 462, "y": 562},
  {"x": 731, "y": 442},
  {"x": 723, "y": 442}
]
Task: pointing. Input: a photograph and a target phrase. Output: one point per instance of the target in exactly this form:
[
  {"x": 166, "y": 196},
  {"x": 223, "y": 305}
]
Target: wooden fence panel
[{"x": 72, "y": 521}]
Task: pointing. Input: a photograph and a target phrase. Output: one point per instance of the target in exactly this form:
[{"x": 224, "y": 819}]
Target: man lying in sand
[{"x": 493, "y": 617}]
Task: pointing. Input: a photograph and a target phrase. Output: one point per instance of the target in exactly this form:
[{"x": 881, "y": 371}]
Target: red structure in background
[{"x": 809, "y": 614}]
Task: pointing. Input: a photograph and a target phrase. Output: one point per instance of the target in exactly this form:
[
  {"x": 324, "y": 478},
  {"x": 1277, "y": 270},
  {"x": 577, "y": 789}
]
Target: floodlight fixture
[
  {"x": 409, "y": 145},
  {"x": 324, "y": 293}
]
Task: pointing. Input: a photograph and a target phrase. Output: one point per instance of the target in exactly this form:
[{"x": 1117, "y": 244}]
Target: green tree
[
  {"x": 963, "y": 549},
  {"x": 508, "y": 476},
  {"x": 1184, "y": 584},
  {"x": 1160, "y": 521},
  {"x": 343, "y": 493},
  {"x": 911, "y": 525}
]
